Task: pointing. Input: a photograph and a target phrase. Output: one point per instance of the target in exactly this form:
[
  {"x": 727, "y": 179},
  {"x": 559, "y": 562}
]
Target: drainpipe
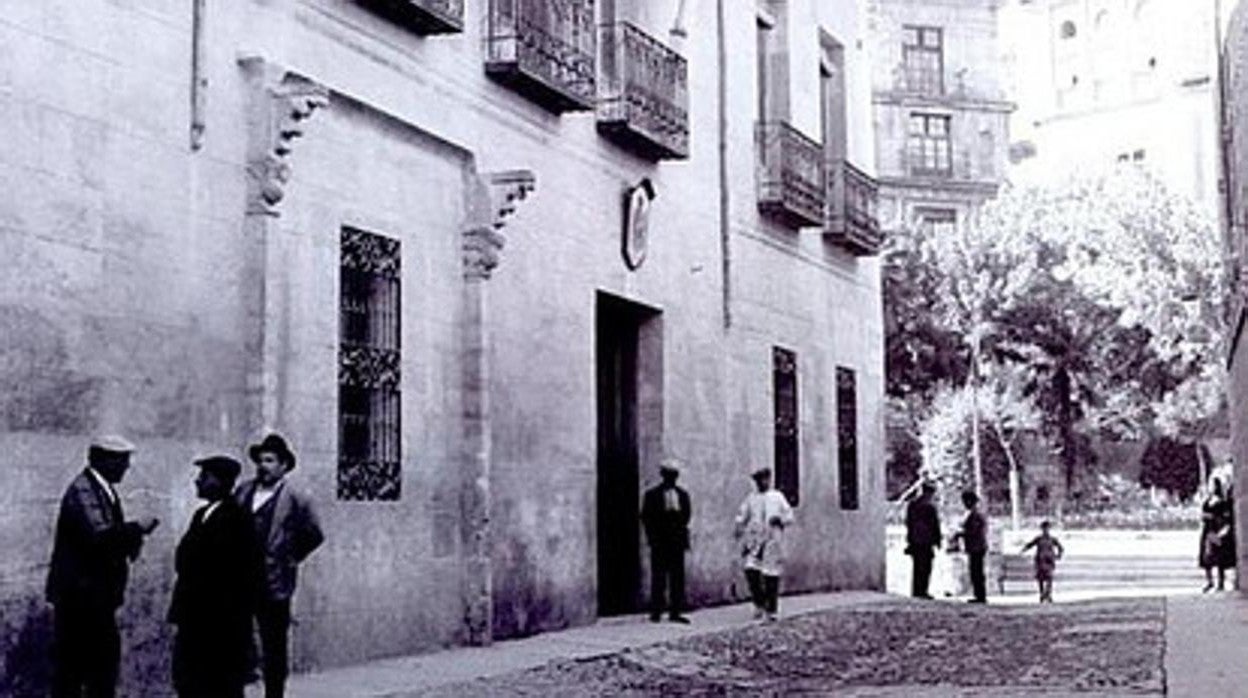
[{"x": 722, "y": 76}]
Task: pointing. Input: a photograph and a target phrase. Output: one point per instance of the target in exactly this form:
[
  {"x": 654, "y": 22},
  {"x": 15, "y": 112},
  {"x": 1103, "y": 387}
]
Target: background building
[
  {"x": 941, "y": 112},
  {"x": 225, "y": 217},
  {"x": 1100, "y": 82}
]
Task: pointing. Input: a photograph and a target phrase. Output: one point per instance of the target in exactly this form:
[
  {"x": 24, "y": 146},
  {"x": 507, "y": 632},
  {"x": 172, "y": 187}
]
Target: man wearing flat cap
[
  {"x": 91, "y": 556},
  {"x": 665, "y": 513},
  {"x": 287, "y": 531},
  {"x": 218, "y": 568}
]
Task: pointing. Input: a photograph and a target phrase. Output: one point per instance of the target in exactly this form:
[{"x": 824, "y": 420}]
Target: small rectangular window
[
  {"x": 923, "y": 59},
  {"x": 847, "y": 436},
  {"x": 368, "y": 368},
  {"x": 928, "y": 149},
  {"x": 784, "y": 386},
  {"x": 936, "y": 221}
]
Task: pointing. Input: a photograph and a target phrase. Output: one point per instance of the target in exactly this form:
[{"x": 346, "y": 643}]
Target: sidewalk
[
  {"x": 1207, "y": 646},
  {"x": 406, "y": 676}
]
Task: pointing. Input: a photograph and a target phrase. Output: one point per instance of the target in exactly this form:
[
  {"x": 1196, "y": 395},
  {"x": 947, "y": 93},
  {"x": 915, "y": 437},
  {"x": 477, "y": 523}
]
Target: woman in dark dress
[{"x": 1217, "y": 535}]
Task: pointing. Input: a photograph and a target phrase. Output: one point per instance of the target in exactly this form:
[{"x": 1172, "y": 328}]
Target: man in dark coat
[
  {"x": 287, "y": 531},
  {"x": 665, "y": 513},
  {"x": 91, "y": 557},
  {"x": 218, "y": 566},
  {"x": 922, "y": 538},
  {"x": 974, "y": 537}
]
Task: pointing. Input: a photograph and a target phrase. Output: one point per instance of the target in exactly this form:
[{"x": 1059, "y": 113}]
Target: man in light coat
[
  {"x": 760, "y": 525},
  {"x": 287, "y": 531}
]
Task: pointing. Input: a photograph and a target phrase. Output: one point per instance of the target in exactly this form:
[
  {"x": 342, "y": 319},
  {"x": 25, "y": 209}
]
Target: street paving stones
[{"x": 886, "y": 650}]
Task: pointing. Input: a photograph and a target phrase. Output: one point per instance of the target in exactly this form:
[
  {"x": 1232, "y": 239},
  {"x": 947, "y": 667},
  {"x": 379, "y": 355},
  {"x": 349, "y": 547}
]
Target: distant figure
[
  {"x": 287, "y": 530},
  {"x": 922, "y": 538},
  {"x": 1048, "y": 552},
  {"x": 974, "y": 538},
  {"x": 665, "y": 513},
  {"x": 91, "y": 557},
  {"x": 1217, "y": 535},
  {"x": 218, "y": 567},
  {"x": 760, "y": 525}
]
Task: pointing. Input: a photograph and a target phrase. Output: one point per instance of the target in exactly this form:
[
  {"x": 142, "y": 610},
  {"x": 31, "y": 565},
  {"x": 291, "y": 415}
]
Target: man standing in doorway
[
  {"x": 922, "y": 538},
  {"x": 287, "y": 531},
  {"x": 665, "y": 513},
  {"x": 91, "y": 558}
]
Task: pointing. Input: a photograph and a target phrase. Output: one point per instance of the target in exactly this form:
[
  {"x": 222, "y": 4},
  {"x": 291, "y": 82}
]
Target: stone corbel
[
  {"x": 282, "y": 103},
  {"x": 493, "y": 199}
]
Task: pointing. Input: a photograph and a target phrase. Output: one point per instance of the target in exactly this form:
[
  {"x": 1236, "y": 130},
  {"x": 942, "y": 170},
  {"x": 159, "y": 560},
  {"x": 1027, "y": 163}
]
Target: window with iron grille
[
  {"x": 847, "y": 436},
  {"x": 784, "y": 384},
  {"x": 923, "y": 58},
  {"x": 928, "y": 151},
  {"x": 368, "y": 368}
]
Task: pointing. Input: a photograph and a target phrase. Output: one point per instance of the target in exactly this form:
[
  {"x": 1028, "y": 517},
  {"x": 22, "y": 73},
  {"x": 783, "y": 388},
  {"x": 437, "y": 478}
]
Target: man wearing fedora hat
[
  {"x": 91, "y": 556},
  {"x": 665, "y": 513},
  {"x": 287, "y": 531},
  {"x": 218, "y": 575}
]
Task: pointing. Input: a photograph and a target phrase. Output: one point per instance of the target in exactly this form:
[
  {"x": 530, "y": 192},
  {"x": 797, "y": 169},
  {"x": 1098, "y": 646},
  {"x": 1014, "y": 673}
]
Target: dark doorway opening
[{"x": 628, "y": 354}]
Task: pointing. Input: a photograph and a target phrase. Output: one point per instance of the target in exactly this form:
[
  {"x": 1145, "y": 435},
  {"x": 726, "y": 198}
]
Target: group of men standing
[
  {"x": 923, "y": 539},
  {"x": 759, "y": 528},
  {"x": 236, "y": 569}
]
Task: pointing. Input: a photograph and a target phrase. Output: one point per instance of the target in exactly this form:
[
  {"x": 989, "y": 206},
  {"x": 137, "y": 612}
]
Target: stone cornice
[
  {"x": 950, "y": 185},
  {"x": 492, "y": 199},
  {"x": 282, "y": 102},
  {"x": 950, "y": 102}
]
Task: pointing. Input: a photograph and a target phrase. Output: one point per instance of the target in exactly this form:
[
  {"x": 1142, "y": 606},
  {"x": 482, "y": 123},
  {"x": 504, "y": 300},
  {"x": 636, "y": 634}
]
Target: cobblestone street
[{"x": 898, "y": 648}]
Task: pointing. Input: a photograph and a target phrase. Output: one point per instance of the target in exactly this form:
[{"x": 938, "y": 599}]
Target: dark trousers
[
  {"x": 764, "y": 590},
  {"x": 86, "y": 651},
  {"x": 922, "y": 576},
  {"x": 273, "y": 618},
  {"x": 667, "y": 574},
  {"x": 978, "y": 586}
]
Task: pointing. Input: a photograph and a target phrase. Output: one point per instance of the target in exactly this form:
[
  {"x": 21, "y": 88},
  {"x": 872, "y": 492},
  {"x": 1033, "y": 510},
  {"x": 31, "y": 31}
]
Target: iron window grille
[
  {"x": 784, "y": 382},
  {"x": 847, "y": 436},
  {"x": 368, "y": 368}
]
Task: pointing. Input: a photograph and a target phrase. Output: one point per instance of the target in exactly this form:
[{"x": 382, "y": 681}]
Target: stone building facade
[
  {"x": 941, "y": 112},
  {"x": 1103, "y": 82},
  {"x": 483, "y": 262},
  {"x": 1234, "y": 159}
]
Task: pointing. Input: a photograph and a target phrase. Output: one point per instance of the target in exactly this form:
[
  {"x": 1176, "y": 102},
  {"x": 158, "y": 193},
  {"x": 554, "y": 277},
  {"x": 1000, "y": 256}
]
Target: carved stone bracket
[
  {"x": 282, "y": 103},
  {"x": 490, "y": 202}
]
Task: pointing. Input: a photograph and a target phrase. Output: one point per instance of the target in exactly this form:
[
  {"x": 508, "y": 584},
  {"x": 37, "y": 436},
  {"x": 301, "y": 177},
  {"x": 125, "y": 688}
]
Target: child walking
[{"x": 1048, "y": 550}]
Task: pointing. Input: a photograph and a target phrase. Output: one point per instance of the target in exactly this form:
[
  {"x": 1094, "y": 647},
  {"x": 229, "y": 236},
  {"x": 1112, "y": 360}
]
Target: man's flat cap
[
  {"x": 223, "y": 467},
  {"x": 112, "y": 443}
]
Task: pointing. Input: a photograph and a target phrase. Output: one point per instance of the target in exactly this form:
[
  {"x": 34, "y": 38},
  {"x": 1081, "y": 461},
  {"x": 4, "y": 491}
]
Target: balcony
[
  {"x": 643, "y": 99},
  {"x": 544, "y": 49},
  {"x": 790, "y": 175},
  {"x": 852, "y": 219},
  {"x": 423, "y": 16}
]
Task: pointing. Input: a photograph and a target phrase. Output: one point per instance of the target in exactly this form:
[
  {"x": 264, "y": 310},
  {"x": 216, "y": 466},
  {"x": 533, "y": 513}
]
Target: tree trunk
[
  {"x": 1066, "y": 428},
  {"x": 1014, "y": 479}
]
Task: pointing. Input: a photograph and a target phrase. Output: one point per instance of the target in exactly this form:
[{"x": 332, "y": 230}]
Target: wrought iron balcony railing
[
  {"x": 424, "y": 16},
  {"x": 853, "y": 221},
  {"x": 791, "y": 175},
  {"x": 544, "y": 49},
  {"x": 643, "y": 93}
]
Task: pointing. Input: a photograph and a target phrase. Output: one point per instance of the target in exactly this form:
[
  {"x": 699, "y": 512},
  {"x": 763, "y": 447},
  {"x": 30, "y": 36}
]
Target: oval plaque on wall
[{"x": 637, "y": 222}]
